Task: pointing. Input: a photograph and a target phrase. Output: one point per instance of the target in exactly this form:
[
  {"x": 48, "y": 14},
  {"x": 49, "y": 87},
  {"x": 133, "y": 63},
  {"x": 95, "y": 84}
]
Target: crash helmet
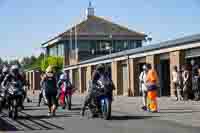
[
  {"x": 5, "y": 70},
  {"x": 101, "y": 68},
  {"x": 144, "y": 67},
  {"x": 63, "y": 77},
  {"x": 14, "y": 69}
]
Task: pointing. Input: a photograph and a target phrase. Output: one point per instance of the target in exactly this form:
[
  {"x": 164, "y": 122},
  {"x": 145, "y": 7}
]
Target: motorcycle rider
[
  {"x": 97, "y": 74},
  {"x": 14, "y": 75},
  {"x": 42, "y": 93},
  {"x": 3, "y": 73}
]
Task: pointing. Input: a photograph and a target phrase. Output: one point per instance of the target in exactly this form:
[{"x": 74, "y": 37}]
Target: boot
[{"x": 82, "y": 113}]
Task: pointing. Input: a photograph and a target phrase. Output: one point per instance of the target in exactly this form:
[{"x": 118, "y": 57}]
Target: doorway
[{"x": 164, "y": 78}]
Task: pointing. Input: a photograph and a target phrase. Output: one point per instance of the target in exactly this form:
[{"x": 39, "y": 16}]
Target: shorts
[{"x": 52, "y": 100}]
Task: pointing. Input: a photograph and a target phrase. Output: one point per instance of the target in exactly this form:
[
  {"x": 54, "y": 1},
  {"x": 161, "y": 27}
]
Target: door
[{"x": 164, "y": 78}]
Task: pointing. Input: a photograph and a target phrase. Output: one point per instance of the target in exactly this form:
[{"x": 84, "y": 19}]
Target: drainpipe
[{"x": 129, "y": 83}]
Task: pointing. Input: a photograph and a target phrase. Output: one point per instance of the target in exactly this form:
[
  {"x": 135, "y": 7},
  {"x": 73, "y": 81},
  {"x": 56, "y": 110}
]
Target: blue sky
[{"x": 25, "y": 24}]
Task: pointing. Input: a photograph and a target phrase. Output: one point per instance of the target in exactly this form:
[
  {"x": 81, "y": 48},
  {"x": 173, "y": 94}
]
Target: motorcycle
[
  {"x": 15, "y": 99},
  {"x": 100, "y": 106}
]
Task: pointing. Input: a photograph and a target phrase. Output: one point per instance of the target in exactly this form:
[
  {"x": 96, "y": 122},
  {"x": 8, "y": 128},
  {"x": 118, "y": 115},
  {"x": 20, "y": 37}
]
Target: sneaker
[
  {"x": 82, "y": 113},
  {"x": 49, "y": 114},
  {"x": 155, "y": 111},
  {"x": 64, "y": 107},
  {"x": 144, "y": 108}
]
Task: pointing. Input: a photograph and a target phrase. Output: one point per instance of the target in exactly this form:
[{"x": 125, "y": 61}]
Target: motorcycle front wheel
[{"x": 15, "y": 109}]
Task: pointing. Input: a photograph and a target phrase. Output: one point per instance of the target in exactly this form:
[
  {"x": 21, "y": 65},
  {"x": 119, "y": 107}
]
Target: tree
[
  {"x": 56, "y": 62},
  {"x": 1, "y": 61}
]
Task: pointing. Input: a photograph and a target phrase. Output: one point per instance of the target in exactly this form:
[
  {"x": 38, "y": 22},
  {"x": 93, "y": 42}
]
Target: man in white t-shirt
[
  {"x": 143, "y": 85},
  {"x": 177, "y": 82}
]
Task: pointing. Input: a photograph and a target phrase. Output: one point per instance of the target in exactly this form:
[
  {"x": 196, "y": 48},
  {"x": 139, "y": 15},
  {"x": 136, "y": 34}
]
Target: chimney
[{"x": 90, "y": 10}]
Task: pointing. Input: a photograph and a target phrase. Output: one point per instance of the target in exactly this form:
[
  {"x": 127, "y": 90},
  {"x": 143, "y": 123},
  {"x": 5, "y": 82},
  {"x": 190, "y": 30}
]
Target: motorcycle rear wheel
[{"x": 106, "y": 109}]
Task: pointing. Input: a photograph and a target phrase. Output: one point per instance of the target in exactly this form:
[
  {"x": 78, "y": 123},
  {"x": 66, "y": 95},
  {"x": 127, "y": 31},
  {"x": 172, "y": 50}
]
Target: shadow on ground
[
  {"x": 76, "y": 109},
  {"x": 23, "y": 123},
  {"x": 127, "y": 117},
  {"x": 33, "y": 109},
  {"x": 177, "y": 112},
  {"x": 6, "y": 126}
]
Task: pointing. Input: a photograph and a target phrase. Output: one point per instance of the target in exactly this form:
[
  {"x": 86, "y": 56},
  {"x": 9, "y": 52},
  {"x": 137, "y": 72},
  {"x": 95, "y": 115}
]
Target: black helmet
[{"x": 101, "y": 68}]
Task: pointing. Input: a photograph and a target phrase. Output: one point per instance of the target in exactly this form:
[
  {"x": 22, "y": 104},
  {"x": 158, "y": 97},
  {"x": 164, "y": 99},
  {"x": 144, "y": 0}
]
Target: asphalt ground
[{"x": 127, "y": 117}]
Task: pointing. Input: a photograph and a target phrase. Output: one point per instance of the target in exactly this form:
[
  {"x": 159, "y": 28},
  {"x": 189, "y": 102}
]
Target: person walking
[
  {"x": 186, "y": 82},
  {"x": 42, "y": 92},
  {"x": 152, "y": 82},
  {"x": 176, "y": 82},
  {"x": 195, "y": 76},
  {"x": 143, "y": 86},
  {"x": 49, "y": 85},
  {"x": 198, "y": 83}
]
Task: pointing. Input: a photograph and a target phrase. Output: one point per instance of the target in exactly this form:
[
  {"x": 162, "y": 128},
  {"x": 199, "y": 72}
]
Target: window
[
  {"x": 138, "y": 43},
  {"x": 73, "y": 45},
  {"x": 125, "y": 45},
  {"x": 57, "y": 50}
]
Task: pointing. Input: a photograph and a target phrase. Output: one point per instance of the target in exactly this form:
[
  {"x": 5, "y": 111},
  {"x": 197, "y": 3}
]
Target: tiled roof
[
  {"x": 97, "y": 26},
  {"x": 94, "y": 25}
]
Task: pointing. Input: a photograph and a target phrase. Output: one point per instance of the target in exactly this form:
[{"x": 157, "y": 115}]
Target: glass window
[
  {"x": 84, "y": 45},
  {"x": 73, "y": 45},
  {"x": 57, "y": 50},
  {"x": 138, "y": 43},
  {"x": 125, "y": 45}
]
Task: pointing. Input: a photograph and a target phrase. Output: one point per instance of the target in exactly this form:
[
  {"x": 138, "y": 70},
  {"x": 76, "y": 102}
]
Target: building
[
  {"x": 93, "y": 37},
  {"x": 125, "y": 66},
  {"x": 96, "y": 40}
]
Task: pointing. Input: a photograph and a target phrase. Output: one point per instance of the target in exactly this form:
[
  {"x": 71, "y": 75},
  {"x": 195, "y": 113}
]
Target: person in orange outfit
[{"x": 152, "y": 81}]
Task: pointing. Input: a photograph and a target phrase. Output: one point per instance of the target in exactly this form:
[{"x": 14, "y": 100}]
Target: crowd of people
[
  {"x": 54, "y": 91},
  {"x": 58, "y": 91},
  {"x": 185, "y": 84},
  {"x": 186, "y": 81}
]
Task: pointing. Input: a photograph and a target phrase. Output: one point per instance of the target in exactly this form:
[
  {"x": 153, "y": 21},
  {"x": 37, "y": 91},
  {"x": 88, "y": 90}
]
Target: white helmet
[
  {"x": 144, "y": 67},
  {"x": 63, "y": 77},
  {"x": 5, "y": 70},
  {"x": 14, "y": 69}
]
